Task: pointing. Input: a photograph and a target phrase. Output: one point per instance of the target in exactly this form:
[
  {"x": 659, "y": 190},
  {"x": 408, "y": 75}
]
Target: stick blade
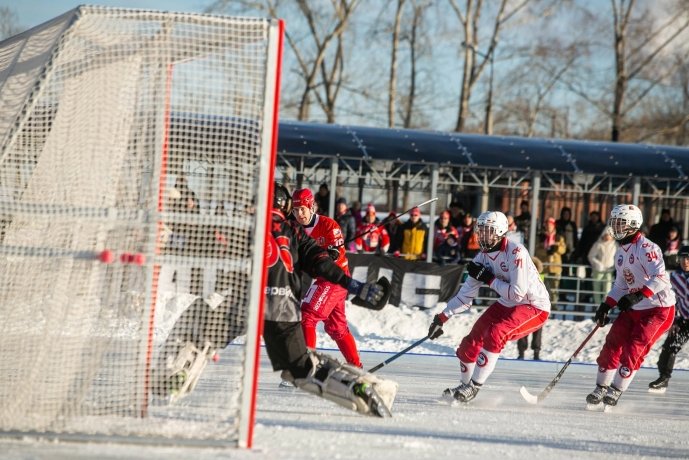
[{"x": 531, "y": 399}]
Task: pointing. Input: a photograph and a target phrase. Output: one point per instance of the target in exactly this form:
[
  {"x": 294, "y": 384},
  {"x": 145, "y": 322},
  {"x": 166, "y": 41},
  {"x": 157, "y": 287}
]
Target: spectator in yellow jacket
[{"x": 413, "y": 237}]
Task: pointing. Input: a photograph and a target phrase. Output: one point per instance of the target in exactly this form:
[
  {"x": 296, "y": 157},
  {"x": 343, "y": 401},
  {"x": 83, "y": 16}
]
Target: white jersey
[
  {"x": 640, "y": 267},
  {"x": 516, "y": 280}
]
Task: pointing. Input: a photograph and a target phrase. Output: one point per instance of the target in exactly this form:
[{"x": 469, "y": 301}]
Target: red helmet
[{"x": 302, "y": 197}]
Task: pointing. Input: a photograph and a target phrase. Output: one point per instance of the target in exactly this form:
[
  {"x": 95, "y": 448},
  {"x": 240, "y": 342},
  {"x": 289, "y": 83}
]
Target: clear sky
[{"x": 33, "y": 12}]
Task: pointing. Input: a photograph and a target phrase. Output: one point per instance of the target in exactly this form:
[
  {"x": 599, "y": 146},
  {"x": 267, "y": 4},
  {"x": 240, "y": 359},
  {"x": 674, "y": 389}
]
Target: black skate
[
  {"x": 464, "y": 393},
  {"x": 375, "y": 403},
  {"x": 610, "y": 399},
  {"x": 659, "y": 385},
  {"x": 594, "y": 399}
]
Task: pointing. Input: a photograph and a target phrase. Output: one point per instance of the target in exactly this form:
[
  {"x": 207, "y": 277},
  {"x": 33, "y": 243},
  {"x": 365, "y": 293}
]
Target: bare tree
[
  {"x": 630, "y": 61},
  {"x": 9, "y": 23},
  {"x": 529, "y": 99},
  {"x": 664, "y": 118},
  {"x": 320, "y": 63},
  {"x": 470, "y": 20},
  {"x": 413, "y": 39},
  {"x": 392, "y": 91}
]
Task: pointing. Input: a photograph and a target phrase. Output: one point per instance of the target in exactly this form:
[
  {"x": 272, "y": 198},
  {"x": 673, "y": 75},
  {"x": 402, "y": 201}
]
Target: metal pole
[
  {"x": 432, "y": 213},
  {"x": 636, "y": 191},
  {"x": 535, "y": 192},
  {"x": 334, "y": 169}
]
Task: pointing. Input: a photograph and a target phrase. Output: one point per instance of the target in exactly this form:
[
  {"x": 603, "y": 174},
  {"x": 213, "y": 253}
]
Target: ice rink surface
[{"x": 498, "y": 424}]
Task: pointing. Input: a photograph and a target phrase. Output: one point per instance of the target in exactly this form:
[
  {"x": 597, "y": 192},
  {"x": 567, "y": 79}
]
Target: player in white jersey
[
  {"x": 523, "y": 306},
  {"x": 642, "y": 293}
]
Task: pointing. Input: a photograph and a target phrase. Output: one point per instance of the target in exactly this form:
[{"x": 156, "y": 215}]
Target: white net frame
[{"x": 136, "y": 156}]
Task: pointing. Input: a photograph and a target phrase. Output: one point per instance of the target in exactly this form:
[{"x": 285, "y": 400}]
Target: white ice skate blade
[
  {"x": 387, "y": 390},
  {"x": 658, "y": 391},
  {"x": 286, "y": 384}
]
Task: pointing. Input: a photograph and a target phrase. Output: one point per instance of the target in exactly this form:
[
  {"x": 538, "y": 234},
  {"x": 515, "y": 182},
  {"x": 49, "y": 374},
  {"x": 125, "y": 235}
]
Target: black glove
[
  {"x": 602, "y": 314},
  {"x": 370, "y": 292},
  {"x": 551, "y": 249},
  {"x": 480, "y": 273},
  {"x": 334, "y": 252},
  {"x": 436, "y": 329},
  {"x": 626, "y": 302}
]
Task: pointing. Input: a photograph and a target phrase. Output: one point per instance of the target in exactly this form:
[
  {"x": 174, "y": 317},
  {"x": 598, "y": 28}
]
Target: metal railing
[{"x": 575, "y": 295}]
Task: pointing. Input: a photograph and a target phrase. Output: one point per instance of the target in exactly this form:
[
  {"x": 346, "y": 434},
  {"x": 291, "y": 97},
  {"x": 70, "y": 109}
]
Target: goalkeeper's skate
[
  {"x": 347, "y": 385},
  {"x": 180, "y": 373}
]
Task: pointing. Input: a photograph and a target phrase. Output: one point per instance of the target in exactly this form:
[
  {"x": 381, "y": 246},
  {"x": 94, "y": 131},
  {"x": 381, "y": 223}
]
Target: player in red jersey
[{"x": 325, "y": 301}]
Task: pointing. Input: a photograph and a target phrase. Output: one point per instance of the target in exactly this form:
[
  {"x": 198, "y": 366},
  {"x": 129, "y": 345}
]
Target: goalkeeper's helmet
[
  {"x": 491, "y": 226},
  {"x": 281, "y": 199},
  {"x": 625, "y": 220}
]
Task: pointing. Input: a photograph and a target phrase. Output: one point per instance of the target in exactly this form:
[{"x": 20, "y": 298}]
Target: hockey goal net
[{"x": 136, "y": 152}]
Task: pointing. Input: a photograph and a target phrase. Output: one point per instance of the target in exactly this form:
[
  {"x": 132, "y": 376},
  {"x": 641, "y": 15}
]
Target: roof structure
[{"x": 481, "y": 151}]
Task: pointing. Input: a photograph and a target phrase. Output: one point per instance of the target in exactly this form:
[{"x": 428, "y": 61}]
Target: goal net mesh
[{"x": 132, "y": 162}]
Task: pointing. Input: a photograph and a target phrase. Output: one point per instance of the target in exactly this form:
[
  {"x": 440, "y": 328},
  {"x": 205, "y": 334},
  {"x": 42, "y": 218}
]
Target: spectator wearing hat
[
  {"x": 392, "y": 225},
  {"x": 347, "y": 223},
  {"x": 523, "y": 220},
  {"x": 671, "y": 248},
  {"x": 601, "y": 256},
  {"x": 443, "y": 231},
  {"x": 413, "y": 237},
  {"x": 550, "y": 250},
  {"x": 373, "y": 237},
  {"x": 448, "y": 252},
  {"x": 456, "y": 214},
  {"x": 659, "y": 230},
  {"x": 468, "y": 239},
  {"x": 323, "y": 199},
  {"x": 355, "y": 211},
  {"x": 443, "y": 228},
  {"x": 513, "y": 232}
]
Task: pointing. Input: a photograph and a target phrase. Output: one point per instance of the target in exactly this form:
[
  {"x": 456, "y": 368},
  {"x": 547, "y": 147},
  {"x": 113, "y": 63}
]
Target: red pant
[
  {"x": 632, "y": 335},
  {"x": 325, "y": 302},
  {"x": 498, "y": 325}
]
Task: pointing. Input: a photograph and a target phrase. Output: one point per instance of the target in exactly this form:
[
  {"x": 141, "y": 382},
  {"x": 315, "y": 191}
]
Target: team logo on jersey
[
  {"x": 503, "y": 267},
  {"x": 631, "y": 258},
  {"x": 625, "y": 372},
  {"x": 482, "y": 360},
  {"x": 462, "y": 367},
  {"x": 278, "y": 248},
  {"x": 628, "y": 276},
  {"x": 619, "y": 261}
]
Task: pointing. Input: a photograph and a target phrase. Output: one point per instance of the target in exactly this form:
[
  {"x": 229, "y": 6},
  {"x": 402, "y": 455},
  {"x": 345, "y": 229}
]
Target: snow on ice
[{"x": 291, "y": 424}]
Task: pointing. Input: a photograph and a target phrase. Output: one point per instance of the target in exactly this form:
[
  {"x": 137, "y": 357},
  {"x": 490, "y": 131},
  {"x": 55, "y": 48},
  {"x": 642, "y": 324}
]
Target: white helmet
[
  {"x": 491, "y": 226},
  {"x": 625, "y": 219}
]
